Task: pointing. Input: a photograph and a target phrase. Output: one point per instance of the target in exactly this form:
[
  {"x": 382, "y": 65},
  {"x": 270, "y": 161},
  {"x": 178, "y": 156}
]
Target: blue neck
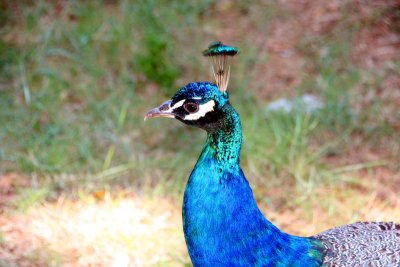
[{"x": 222, "y": 223}]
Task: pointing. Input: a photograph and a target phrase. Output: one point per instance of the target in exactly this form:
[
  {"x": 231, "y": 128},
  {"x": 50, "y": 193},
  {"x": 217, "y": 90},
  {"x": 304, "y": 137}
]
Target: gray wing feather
[{"x": 362, "y": 244}]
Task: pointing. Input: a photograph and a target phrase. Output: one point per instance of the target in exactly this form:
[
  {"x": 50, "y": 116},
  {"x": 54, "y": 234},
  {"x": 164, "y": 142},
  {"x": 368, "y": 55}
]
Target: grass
[
  {"x": 76, "y": 89},
  {"x": 80, "y": 84},
  {"x": 77, "y": 78},
  {"x": 80, "y": 89}
]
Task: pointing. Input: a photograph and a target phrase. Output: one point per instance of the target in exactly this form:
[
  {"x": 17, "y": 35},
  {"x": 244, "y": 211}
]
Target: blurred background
[{"x": 84, "y": 181}]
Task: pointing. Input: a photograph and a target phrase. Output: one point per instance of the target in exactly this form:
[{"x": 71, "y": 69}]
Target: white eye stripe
[
  {"x": 178, "y": 104},
  {"x": 203, "y": 110}
]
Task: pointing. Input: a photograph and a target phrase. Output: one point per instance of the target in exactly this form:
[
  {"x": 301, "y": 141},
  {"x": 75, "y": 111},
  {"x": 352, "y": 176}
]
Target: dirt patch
[{"x": 280, "y": 62}]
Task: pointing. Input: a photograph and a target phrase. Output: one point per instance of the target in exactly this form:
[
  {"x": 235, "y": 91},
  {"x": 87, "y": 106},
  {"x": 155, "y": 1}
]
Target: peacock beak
[{"x": 164, "y": 110}]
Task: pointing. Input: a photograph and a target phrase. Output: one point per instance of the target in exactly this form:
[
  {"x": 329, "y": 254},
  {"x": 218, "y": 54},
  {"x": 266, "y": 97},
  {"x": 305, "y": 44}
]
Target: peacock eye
[{"x": 191, "y": 107}]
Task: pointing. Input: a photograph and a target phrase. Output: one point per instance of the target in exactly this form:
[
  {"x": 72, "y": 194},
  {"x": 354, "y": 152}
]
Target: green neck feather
[{"x": 224, "y": 141}]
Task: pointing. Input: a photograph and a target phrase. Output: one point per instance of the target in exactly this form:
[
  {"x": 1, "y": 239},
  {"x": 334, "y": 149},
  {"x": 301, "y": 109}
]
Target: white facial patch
[{"x": 203, "y": 110}]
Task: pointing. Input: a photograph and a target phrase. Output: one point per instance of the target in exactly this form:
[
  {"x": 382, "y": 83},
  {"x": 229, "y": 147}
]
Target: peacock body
[{"x": 223, "y": 225}]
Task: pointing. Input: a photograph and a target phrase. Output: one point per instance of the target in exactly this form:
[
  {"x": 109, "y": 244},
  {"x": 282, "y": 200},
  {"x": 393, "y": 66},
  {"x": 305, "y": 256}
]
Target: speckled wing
[{"x": 362, "y": 244}]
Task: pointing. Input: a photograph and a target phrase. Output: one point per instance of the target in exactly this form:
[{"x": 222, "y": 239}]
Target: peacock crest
[{"x": 221, "y": 57}]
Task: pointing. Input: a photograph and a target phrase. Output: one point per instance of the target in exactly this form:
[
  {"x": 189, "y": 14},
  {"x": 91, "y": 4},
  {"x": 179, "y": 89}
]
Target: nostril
[{"x": 166, "y": 106}]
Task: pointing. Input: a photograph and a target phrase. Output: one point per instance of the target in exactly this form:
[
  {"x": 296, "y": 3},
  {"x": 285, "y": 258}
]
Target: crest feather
[{"x": 221, "y": 59}]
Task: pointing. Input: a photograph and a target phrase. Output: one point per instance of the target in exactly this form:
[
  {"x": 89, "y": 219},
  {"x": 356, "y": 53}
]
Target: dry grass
[
  {"x": 127, "y": 231},
  {"x": 131, "y": 230}
]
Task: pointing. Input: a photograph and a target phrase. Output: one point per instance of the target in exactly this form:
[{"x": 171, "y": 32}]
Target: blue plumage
[
  {"x": 224, "y": 227},
  {"x": 222, "y": 223}
]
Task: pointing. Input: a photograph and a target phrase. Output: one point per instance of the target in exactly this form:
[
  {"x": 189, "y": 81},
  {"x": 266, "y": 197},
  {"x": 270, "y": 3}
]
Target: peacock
[{"x": 222, "y": 223}]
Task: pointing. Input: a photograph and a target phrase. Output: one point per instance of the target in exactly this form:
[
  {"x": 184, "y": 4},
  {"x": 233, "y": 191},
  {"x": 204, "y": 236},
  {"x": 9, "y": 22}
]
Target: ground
[{"x": 124, "y": 229}]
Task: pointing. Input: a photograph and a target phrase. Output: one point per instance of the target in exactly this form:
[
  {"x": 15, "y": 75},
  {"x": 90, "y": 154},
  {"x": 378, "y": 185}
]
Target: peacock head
[
  {"x": 199, "y": 104},
  {"x": 203, "y": 104}
]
